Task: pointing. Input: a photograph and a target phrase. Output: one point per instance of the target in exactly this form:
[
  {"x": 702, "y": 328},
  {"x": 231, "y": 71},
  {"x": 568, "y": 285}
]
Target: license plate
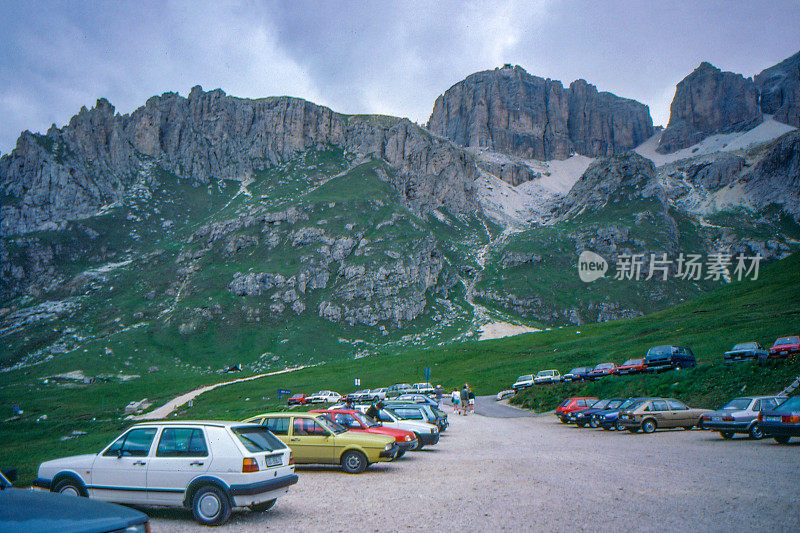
[
  {"x": 273, "y": 460},
  {"x": 772, "y": 419}
]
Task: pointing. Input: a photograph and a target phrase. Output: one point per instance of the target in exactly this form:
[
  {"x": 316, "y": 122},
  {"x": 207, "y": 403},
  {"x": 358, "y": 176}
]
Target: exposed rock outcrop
[
  {"x": 511, "y": 111},
  {"x": 710, "y": 101},
  {"x": 780, "y": 90},
  {"x": 71, "y": 172}
]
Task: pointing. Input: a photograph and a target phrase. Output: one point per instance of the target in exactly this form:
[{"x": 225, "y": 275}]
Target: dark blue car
[
  {"x": 586, "y": 417},
  {"x": 609, "y": 418},
  {"x": 668, "y": 358},
  {"x": 783, "y": 422}
]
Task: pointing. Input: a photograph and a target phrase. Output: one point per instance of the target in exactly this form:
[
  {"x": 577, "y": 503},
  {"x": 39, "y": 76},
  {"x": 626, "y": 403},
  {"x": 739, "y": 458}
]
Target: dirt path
[
  {"x": 165, "y": 410},
  {"x": 534, "y": 474}
]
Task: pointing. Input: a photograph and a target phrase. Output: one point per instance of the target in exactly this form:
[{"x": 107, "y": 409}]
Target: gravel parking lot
[{"x": 532, "y": 472}]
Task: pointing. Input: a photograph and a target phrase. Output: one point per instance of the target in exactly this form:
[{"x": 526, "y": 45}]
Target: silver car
[{"x": 739, "y": 416}]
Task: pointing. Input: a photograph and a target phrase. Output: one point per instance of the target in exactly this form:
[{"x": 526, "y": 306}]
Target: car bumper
[
  {"x": 261, "y": 491},
  {"x": 428, "y": 439},
  {"x": 773, "y": 429},
  {"x": 736, "y": 427},
  {"x": 390, "y": 454},
  {"x": 407, "y": 446},
  {"x": 606, "y": 423}
]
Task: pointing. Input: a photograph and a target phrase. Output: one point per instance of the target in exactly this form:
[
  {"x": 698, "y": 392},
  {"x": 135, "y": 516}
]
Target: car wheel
[
  {"x": 400, "y": 454},
  {"x": 580, "y": 424},
  {"x": 755, "y": 432},
  {"x": 678, "y": 366},
  {"x": 210, "y": 506},
  {"x": 419, "y": 443},
  {"x": 354, "y": 462},
  {"x": 727, "y": 435},
  {"x": 593, "y": 423},
  {"x": 619, "y": 426},
  {"x": 782, "y": 439},
  {"x": 563, "y": 420},
  {"x": 687, "y": 428},
  {"x": 649, "y": 425},
  {"x": 68, "y": 487},
  {"x": 263, "y": 506}
]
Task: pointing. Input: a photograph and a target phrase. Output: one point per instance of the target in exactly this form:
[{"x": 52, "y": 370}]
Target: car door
[
  {"x": 119, "y": 473},
  {"x": 679, "y": 414},
  {"x": 660, "y": 411},
  {"x": 278, "y": 426},
  {"x": 182, "y": 454},
  {"x": 310, "y": 442}
]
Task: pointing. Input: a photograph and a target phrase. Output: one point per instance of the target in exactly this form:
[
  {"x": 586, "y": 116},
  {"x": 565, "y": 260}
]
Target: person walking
[
  {"x": 464, "y": 396},
  {"x": 455, "y": 397},
  {"x": 438, "y": 392},
  {"x": 471, "y": 398}
]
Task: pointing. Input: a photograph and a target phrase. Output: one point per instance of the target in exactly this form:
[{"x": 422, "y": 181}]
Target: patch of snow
[
  {"x": 768, "y": 130},
  {"x": 498, "y": 330}
]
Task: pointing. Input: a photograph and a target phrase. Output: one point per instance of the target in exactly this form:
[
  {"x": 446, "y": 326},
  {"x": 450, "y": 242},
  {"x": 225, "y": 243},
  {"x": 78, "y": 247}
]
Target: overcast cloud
[{"x": 364, "y": 57}]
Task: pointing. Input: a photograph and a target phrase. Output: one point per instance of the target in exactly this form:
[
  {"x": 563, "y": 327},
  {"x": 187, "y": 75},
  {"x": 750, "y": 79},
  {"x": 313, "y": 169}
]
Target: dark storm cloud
[{"x": 368, "y": 57}]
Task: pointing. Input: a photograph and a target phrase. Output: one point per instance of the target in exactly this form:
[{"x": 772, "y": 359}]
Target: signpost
[
  {"x": 427, "y": 373},
  {"x": 357, "y": 382},
  {"x": 283, "y": 392}
]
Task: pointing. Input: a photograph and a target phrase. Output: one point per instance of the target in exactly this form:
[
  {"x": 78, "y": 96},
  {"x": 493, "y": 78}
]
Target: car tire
[
  {"x": 593, "y": 423},
  {"x": 727, "y": 435},
  {"x": 782, "y": 439},
  {"x": 263, "y": 506},
  {"x": 580, "y": 424},
  {"x": 69, "y": 487},
  {"x": 649, "y": 425},
  {"x": 619, "y": 425},
  {"x": 211, "y": 506},
  {"x": 755, "y": 432},
  {"x": 354, "y": 462},
  {"x": 400, "y": 454},
  {"x": 689, "y": 427},
  {"x": 419, "y": 443},
  {"x": 563, "y": 420}
]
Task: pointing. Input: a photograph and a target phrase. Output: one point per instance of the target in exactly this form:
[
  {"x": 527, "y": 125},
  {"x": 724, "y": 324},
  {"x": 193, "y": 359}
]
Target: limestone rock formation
[
  {"x": 780, "y": 90},
  {"x": 508, "y": 110},
  {"x": 71, "y": 172},
  {"x": 709, "y": 101}
]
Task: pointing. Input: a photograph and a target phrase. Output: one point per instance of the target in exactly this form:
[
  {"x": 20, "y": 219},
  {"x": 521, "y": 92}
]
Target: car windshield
[
  {"x": 565, "y": 402},
  {"x": 576, "y": 371},
  {"x": 737, "y": 404},
  {"x": 635, "y": 405},
  {"x": 787, "y": 340},
  {"x": 525, "y": 378},
  {"x": 792, "y": 404},
  {"x": 599, "y": 404},
  {"x": 366, "y": 420},
  {"x": 335, "y": 427},
  {"x": 258, "y": 439},
  {"x": 604, "y": 366},
  {"x": 746, "y": 346},
  {"x": 613, "y": 404},
  {"x": 632, "y": 362},
  {"x": 660, "y": 350}
]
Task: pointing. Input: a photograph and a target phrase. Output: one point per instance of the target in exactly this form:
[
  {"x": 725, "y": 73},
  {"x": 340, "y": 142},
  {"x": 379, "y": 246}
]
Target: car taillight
[
  {"x": 728, "y": 418},
  {"x": 790, "y": 419},
  {"x": 291, "y": 458},
  {"x": 705, "y": 417},
  {"x": 249, "y": 465},
  {"x": 760, "y": 417}
]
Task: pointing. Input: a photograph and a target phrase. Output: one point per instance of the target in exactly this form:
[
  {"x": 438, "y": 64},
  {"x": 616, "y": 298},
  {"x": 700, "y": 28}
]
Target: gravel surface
[{"x": 533, "y": 473}]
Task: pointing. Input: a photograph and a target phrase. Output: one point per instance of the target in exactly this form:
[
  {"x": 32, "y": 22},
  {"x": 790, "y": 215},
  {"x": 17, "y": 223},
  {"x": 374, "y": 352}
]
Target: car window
[
  {"x": 675, "y": 405},
  {"x": 757, "y": 405},
  {"x": 412, "y": 414},
  {"x": 307, "y": 427},
  {"x": 660, "y": 405},
  {"x": 383, "y": 416},
  {"x": 768, "y": 404},
  {"x": 182, "y": 442},
  {"x": 258, "y": 439},
  {"x": 277, "y": 426},
  {"x": 135, "y": 443},
  {"x": 646, "y": 408},
  {"x": 346, "y": 420},
  {"x": 792, "y": 404}
]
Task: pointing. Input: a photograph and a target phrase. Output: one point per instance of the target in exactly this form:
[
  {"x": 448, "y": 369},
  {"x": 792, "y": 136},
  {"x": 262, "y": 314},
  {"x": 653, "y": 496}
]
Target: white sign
[{"x": 357, "y": 382}]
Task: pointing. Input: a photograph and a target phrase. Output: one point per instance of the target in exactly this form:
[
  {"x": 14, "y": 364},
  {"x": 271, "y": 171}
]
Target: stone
[{"x": 780, "y": 90}]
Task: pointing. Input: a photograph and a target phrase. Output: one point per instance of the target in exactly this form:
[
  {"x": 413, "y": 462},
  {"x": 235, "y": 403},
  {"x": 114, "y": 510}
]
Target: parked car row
[
  {"x": 212, "y": 467},
  {"x": 363, "y": 395},
  {"x": 756, "y": 416}
]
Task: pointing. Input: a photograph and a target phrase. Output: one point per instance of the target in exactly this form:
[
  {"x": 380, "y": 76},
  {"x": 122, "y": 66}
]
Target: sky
[{"x": 385, "y": 57}]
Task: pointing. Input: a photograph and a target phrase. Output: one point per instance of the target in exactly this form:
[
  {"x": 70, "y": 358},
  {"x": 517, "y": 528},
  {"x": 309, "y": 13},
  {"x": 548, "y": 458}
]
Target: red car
[
  {"x": 297, "y": 399},
  {"x": 602, "y": 370},
  {"x": 631, "y": 366},
  {"x": 566, "y": 409},
  {"x": 785, "y": 346},
  {"x": 356, "y": 421}
]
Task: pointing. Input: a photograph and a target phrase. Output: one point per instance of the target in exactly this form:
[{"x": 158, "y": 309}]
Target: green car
[{"x": 316, "y": 439}]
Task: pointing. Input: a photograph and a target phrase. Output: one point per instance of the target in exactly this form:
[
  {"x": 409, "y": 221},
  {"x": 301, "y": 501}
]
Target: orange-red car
[{"x": 573, "y": 405}]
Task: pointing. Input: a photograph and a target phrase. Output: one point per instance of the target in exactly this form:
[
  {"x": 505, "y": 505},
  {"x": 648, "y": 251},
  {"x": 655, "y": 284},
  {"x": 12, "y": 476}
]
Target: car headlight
[
  {"x": 408, "y": 438},
  {"x": 388, "y": 447},
  {"x": 433, "y": 430}
]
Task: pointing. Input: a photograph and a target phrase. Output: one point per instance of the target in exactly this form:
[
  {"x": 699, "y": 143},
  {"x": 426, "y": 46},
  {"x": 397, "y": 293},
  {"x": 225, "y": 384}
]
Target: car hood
[
  {"x": 414, "y": 425},
  {"x": 33, "y": 511},
  {"x": 397, "y": 434},
  {"x": 361, "y": 438},
  {"x": 75, "y": 462}
]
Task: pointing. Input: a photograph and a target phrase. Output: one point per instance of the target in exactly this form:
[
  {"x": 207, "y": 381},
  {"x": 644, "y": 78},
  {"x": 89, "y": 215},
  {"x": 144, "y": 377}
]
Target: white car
[
  {"x": 547, "y": 376},
  {"x": 324, "y": 396},
  {"x": 426, "y": 433},
  {"x": 422, "y": 388},
  {"x": 378, "y": 394},
  {"x": 209, "y": 467},
  {"x": 523, "y": 382}
]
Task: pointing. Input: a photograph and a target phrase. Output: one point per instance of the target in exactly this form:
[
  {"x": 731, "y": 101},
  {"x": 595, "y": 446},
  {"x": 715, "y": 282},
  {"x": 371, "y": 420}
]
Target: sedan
[
  {"x": 609, "y": 418},
  {"x": 631, "y": 366},
  {"x": 783, "y": 422},
  {"x": 739, "y": 416},
  {"x": 355, "y": 420},
  {"x": 602, "y": 370},
  {"x": 785, "y": 346},
  {"x": 745, "y": 351},
  {"x": 586, "y": 417},
  {"x": 660, "y": 413},
  {"x": 577, "y": 374}
]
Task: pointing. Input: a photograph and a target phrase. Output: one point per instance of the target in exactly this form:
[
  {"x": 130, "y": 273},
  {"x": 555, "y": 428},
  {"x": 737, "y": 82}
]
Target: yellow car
[{"x": 316, "y": 439}]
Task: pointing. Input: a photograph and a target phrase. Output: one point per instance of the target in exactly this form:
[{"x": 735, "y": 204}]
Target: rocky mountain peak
[
  {"x": 709, "y": 101},
  {"x": 780, "y": 90},
  {"x": 508, "y": 110}
]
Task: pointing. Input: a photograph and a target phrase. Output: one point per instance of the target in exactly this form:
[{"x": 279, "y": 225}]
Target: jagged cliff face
[
  {"x": 710, "y": 101},
  {"x": 510, "y": 111},
  {"x": 70, "y": 173},
  {"x": 780, "y": 90}
]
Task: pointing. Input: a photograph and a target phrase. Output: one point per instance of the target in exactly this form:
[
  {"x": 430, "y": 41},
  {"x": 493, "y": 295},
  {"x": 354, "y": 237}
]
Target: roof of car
[
  {"x": 218, "y": 423},
  {"x": 287, "y": 414}
]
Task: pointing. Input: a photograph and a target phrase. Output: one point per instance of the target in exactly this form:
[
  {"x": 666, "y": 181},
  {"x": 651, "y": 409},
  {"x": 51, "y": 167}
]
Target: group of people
[{"x": 463, "y": 400}]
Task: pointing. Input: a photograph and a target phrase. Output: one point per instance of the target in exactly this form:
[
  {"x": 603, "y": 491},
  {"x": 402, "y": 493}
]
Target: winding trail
[{"x": 165, "y": 410}]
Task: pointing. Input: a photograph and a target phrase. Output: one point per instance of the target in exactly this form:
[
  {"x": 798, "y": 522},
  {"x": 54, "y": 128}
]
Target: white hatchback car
[
  {"x": 209, "y": 466},
  {"x": 324, "y": 396}
]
